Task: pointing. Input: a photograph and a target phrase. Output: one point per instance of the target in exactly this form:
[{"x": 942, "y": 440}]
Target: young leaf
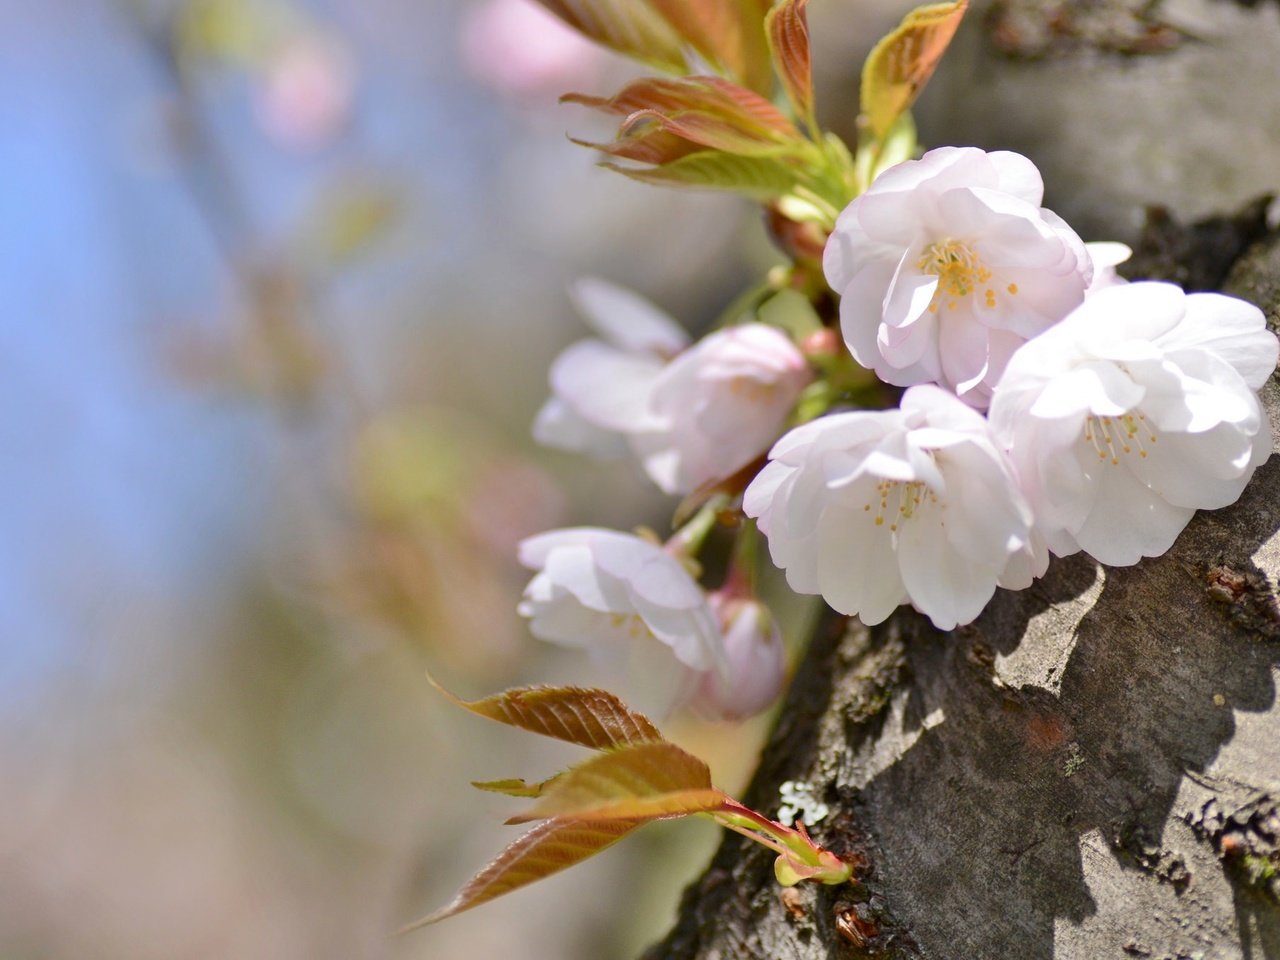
[
  {"x": 629, "y": 27},
  {"x": 706, "y": 130},
  {"x": 787, "y": 27},
  {"x": 902, "y": 63},
  {"x": 653, "y": 145},
  {"x": 647, "y": 780},
  {"x": 727, "y": 33},
  {"x": 747, "y": 111},
  {"x": 514, "y": 787},
  {"x": 548, "y": 848},
  {"x": 587, "y": 717},
  {"x": 762, "y": 178}
]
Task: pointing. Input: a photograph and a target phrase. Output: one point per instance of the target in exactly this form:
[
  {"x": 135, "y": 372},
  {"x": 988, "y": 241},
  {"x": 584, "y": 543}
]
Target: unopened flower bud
[{"x": 755, "y": 661}]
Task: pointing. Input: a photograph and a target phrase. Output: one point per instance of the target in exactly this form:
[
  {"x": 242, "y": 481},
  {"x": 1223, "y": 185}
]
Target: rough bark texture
[{"x": 1091, "y": 770}]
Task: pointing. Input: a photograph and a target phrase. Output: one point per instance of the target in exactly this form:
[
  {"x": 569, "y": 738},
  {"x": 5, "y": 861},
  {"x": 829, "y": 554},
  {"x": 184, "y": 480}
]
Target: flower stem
[{"x": 799, "y": 858}]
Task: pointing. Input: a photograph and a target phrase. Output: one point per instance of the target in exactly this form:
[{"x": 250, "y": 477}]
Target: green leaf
[
  {"x": 647, "y": 780},
  {"x": 762, "y": 178},
  {"x": 587, "y": 717},
  {"x": 901, "y": 64},
  {"x": 514, "y": 787},
  {"x": 627, "y": 26},
  {"x": 548, "y": 848},
  {"x": 787, "y": 27}
]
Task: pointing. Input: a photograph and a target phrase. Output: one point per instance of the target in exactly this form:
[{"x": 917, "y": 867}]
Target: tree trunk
[{"x": 1092, "y": 769}]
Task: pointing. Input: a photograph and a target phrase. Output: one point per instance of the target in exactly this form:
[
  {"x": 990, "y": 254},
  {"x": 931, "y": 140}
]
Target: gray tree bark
[{"x": 1092, "y": 769}]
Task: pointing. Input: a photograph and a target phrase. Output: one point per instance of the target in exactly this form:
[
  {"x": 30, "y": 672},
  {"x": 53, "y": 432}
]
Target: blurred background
[{"x": 281, "y": 282}]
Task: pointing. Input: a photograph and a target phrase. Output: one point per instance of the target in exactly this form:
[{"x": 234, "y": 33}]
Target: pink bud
[{"x": 755, "y": 661}]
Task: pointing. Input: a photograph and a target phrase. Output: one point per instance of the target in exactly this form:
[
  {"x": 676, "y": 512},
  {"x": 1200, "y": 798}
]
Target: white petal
[
  {"x": 1230, "y": 328},
  {"x": 1128, "y": 521},
  {"x": 1134, "y": 311},
  {"x": 943, "y": 585},
  {"x": 1198, "y": 470},
  {"x": 573, "y": 568},
  {"x": 1007, "y": 231},
  {"x": 962, "y": 344},
  {"x": 857, "y": 571},
  {"x": 986, "y": 517},
  {"x": 758, "y": 500},
  {"x": 1018, "y": 176},
  {"x": 626, "y": 319},
  {"x": 533, "y": 551},
  {"x": 910, "y": 292},
  {"x": 653, "y": 575},
  {"x": 862, "y": 308},
  {"x": 557, "y": 425},
  {"x": 604, "y": 386},
  {"x": 1100, "y": 388}
]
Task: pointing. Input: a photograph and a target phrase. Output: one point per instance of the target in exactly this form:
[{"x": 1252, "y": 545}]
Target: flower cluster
[
  {"x": 1116, "y": 410},
  {"x": 1050, "y": 407}
]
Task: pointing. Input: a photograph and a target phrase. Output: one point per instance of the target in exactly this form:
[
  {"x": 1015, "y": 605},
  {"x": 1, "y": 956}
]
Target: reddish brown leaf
[
  {"x": 787, "y": 27},
  {"x": 646, "y": 780},
  {"x": 902, "y": 63},
  {"x": 587, "y": 717},
  {"x": 749, "y": 112},
  {"x": 627, "y": 26},
  {"x": 653, "y": 145},
  {"x": 728, "y": 33},
  {"x": 704, "y": 129},
  {"x": 548, "y": 848}
]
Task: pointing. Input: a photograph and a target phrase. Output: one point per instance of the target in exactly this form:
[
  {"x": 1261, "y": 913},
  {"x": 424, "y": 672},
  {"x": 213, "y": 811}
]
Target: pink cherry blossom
[
  {"x": 947, "y": 264},
  {"x": 1134, "y": 412},
  {"x": 872, "y": 509},
  {"x": 719, "y": 405}
]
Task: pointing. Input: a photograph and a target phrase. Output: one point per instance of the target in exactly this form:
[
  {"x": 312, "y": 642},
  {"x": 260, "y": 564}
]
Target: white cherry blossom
[
  {"x": 600, "y": 387},
  {"x": 1134, "y": 412},
  {"x": 628, "y": 602},
  {"x": 946, "y": 264},
  {"x": 875, "y": 508},
  {"x": 719, "y": 405}
]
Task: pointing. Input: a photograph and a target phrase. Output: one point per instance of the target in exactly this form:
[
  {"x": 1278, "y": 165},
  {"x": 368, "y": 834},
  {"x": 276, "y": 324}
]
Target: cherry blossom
[
  {"x": 691, "y": 415},
  {"x": 1134, "y": 412},
  {"x": 874, "y": 508},
  {"x": 628, "y": 602},
  {"x": 600, "y": 387},
  {"x": 947, "y": 264},
  {"x": 720, "y": 405}
]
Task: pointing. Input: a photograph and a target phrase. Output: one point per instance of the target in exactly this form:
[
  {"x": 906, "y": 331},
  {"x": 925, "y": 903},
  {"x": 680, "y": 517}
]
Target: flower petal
[
  {"x": 604, "y": 386},
  {"x": 1128, "y": 521},
  {"x": 626, "y": 319}
]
